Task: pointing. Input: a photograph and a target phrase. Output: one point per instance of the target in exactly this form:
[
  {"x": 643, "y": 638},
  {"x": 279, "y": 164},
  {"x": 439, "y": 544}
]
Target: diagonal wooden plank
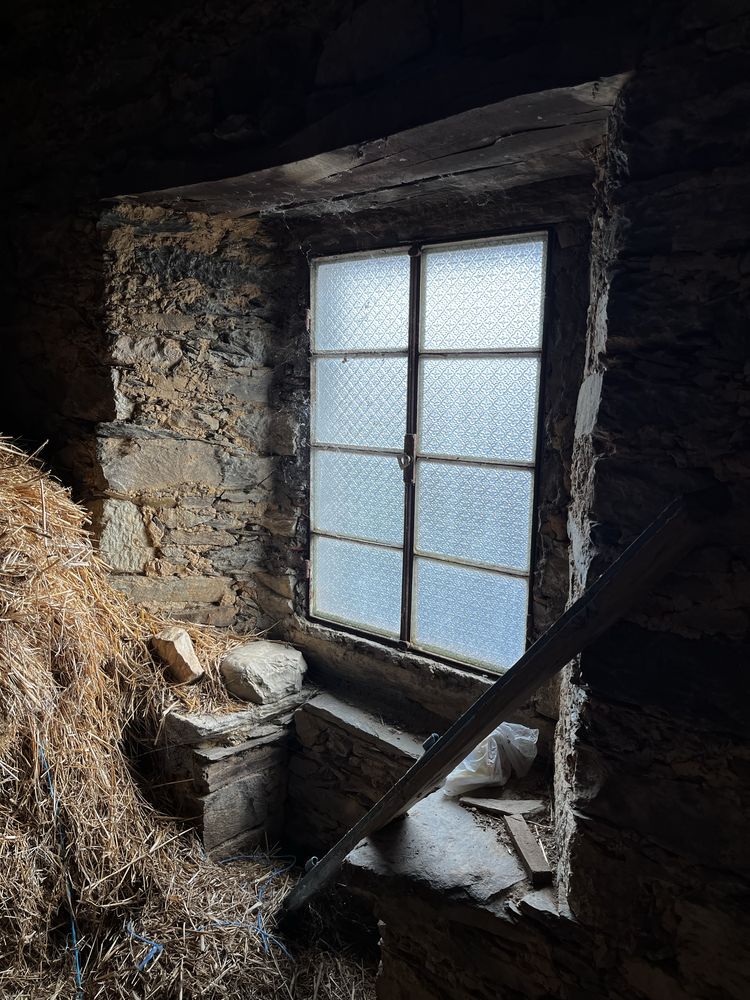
[{"x": 671, "y": 535}]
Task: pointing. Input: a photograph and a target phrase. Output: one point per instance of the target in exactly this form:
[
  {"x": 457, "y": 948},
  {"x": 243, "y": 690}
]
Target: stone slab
[
  {"x": 363, "y": 725},
  {"x": 439, "y": 847},
  {"x": 192, "y": 729},
  {"x": 540, "y": 904},
  {"x": 123, "y": 542},
  {"x": 530, "y": 849},
  {"x": 175, "y": 590},
  {"x": 215, "y": 767},
  {"x": 241, "y": 806},
  {"x": 146, "y": 464}
]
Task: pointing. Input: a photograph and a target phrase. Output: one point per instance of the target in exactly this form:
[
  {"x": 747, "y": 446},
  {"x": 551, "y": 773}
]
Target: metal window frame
[{"x": 414, "y": 353}]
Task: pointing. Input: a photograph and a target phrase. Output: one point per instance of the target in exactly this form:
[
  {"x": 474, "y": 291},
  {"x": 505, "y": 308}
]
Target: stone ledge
[
  {"x": 346, "y": 760},
  {"x": 452, "y": 866},
  {"x": 415, "y": 690},
  {"x": 362, "y": 724},
  {"x": 438, "y": 848},
  {"x": 231, "y": 728}
]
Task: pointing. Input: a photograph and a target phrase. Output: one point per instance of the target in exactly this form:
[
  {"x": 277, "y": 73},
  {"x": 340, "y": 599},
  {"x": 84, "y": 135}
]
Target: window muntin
[{"x": 443, "y": 345}]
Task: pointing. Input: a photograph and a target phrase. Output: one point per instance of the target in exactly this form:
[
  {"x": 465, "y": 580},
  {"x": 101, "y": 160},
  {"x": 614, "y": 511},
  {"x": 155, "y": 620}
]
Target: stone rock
[
  {"x": 123, "y": 542},
  {"x": 147, "y": 464},
  {"x": 541, "y": 905},
  {"x": 175, "y": 647},
  {"x": 438, "y": 847},
  {"x": 263, "y": 671},
  {"x": 280, "y": 583}
]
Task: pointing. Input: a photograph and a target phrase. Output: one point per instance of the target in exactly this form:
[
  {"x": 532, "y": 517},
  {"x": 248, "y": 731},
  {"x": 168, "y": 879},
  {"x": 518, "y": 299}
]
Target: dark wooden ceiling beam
[{"x": 517, "y": 141}]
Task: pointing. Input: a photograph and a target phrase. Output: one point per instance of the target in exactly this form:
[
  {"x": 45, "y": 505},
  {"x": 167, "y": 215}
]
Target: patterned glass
[
  {"x": 484, "y": 297},
  {"x": 362, "y": 304},
  {"x": 474, "y": 512},
  {"x": 359, "y": 401},
  {"x": 357, "y": 584},
  {"x": 469, "y": 614},
  {"x": 358, "y": 495},
  {"x": 478, "y": 407}
]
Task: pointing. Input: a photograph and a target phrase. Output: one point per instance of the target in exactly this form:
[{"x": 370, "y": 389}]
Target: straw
[{"x": 101, "y": 896}]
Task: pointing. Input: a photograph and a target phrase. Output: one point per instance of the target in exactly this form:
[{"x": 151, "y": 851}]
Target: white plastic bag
[{"x": 510, "y": 748}]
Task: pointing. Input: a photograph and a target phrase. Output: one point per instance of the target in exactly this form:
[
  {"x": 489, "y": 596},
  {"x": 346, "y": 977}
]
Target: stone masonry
[{"x": 190, "y": 503}]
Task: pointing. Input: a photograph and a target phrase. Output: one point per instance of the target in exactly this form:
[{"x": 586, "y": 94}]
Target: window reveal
[{"x": 425, "y": 388}]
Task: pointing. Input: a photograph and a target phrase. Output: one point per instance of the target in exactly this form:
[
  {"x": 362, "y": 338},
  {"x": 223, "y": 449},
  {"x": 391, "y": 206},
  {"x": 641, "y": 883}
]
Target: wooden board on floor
[
  {"x": 530, "y": 850},
  {"x": 503, "y": 807}
]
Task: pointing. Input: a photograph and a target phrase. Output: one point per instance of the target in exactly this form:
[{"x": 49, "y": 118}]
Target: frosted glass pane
[
  {"x": 359, "y": 401},
  {"x": 362, "y": 304},
  {"x": 359, "y": 495},
  {"x": 478, "y": 407},
  {"x": 474, "y": 512},
  {"x": 484, "y": 297},
  {"x": 470, "y": 614},
  {"x": 357, "y": 584}
]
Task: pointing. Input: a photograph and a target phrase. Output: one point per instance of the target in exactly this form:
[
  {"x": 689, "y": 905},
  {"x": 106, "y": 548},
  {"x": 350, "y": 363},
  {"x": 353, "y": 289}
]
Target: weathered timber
[
  {"x": 523, "y": 139},
  {"x": 503, "y": 807},
  {"x": 531, "y": 853},
  {"x": 656, "y": 550}
]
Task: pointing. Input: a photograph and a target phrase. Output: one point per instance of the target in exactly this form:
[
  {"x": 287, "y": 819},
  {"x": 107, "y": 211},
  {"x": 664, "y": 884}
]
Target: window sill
[{"x": 412, "y": 689}]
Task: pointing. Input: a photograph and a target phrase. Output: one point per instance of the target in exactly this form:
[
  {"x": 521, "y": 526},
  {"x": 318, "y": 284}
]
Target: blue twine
[
  {"x": 47, "y": 773},
  {"x": 266, "y": 938},
  {"x": 155, "y": 949},
  {"x": 258, "y": 927},
  {"x": 76, "y": 955}
]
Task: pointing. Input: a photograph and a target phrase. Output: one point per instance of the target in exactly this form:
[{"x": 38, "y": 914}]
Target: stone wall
[
  {"x": 227, "y": 773},
  {"x": 344, "y": 760},
  {"x": 188, "y": 488},
  {"x": 657, "y": 745}
]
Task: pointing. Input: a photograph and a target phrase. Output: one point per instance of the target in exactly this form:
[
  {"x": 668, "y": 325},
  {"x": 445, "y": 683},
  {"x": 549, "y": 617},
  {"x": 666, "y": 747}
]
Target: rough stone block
[
  {"x": 256, "y": 801},
  {"x": 175, "y": 647},
  {"x": 245, "y": 385},
  {"x": 123, "y": 541},
  {"x": 247, "y": 471},
  {"x": 281, "y": 584},
  {"x": 171, "y": 591},
  {"x": 148, "y": 464},
  {"x": 263, "y": 671}
]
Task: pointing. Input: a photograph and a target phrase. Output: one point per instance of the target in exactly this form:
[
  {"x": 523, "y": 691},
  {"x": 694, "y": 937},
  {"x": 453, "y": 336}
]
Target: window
[{"x": 425, "y": 388}]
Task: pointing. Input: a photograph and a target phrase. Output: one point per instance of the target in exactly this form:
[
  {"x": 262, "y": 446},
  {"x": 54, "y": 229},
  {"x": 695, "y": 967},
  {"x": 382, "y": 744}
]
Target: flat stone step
[
  {"x": 363, "y": 725},
  {"x": 438, "y": 847}
]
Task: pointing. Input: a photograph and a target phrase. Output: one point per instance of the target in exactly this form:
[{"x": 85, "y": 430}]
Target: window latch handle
[{"x": 406, "y": 458}]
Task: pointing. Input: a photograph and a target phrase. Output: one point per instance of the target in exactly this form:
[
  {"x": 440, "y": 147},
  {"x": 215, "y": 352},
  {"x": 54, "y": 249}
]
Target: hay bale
[{"x": 95, "y": 884}]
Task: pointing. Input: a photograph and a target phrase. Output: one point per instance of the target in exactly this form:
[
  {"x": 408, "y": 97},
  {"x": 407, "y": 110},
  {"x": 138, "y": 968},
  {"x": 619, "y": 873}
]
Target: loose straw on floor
[{"x": 91, "y": 874}]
